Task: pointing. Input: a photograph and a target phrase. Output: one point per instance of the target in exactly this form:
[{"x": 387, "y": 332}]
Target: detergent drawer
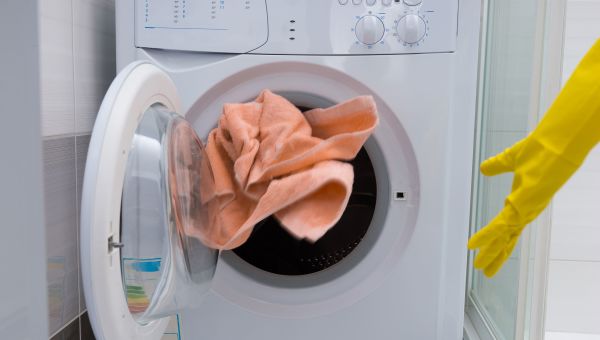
[{"x": 223, "y": 26}]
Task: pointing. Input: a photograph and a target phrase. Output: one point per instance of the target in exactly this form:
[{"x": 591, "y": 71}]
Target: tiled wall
[
  {"x": 77, "y": 64},
  {"x": 573, "y": 302}
]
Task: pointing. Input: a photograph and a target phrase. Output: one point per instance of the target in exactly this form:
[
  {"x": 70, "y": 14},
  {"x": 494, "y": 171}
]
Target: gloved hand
[{"x": 542, "y": 162}]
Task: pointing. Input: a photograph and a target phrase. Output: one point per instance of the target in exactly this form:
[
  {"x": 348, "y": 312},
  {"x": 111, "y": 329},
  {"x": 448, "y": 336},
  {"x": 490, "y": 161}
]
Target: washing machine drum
[{"x": 272, "y": 249}]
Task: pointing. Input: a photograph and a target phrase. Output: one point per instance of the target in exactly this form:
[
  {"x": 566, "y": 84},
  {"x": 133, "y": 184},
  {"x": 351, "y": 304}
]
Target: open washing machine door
[{"x": 140, "y": 191}]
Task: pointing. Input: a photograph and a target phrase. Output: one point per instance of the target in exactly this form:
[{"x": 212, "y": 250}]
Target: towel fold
[{"x": 267, "y": 158}]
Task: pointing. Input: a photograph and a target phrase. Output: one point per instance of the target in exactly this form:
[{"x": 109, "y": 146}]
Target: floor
[{"x": 80, "y": 328}]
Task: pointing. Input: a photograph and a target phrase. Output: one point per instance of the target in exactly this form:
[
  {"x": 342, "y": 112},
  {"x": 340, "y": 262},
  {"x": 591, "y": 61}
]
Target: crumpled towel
[{"x": 267, "y": 157}]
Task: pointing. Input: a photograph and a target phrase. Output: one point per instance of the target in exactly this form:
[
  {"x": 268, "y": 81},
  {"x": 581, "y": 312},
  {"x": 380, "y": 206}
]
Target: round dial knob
[
  {"x": 411, "y": 28},
  {"x": 369, "y": 29}
]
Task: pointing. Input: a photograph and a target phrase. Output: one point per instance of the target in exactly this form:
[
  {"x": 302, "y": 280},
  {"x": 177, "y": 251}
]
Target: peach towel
[{"x": 267, "y": 157}]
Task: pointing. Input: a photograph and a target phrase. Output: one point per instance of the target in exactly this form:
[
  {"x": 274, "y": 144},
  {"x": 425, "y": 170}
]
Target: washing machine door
[{"x": 140, "y": 198}]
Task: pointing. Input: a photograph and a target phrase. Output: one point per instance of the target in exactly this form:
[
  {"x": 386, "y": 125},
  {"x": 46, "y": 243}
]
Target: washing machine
[{"x": 393, "y": 267}]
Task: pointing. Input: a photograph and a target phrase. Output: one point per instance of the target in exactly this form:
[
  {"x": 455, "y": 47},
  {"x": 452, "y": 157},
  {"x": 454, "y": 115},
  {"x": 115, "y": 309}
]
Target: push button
[
  {"x": 371, "y": 2},
  {"x": 357, "y": 2},
  {"x": 343, "y": 2},
  {"x": 413, "y": 2}
]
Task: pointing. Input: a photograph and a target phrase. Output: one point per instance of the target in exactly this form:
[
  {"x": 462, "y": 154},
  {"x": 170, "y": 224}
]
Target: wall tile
[
  {"x": 573, "y": 297},
  {"x": 577, "y": 206},
  {"x": 70, "y": 332},
  {"x": 61, "y": 231},
  {"x": 583, "y": 28},
  {"x": 77, "y": 57},
  {"x": 94, "y": 58},
  {"x": 575, "y": 243},
  {"x": 86, "y": 328},
  {"x": 81, "y": 145},
  {"x": 592, "y": 162},
  {"x": 56, "y": 67},
  {"x": 575, "y": 215}
]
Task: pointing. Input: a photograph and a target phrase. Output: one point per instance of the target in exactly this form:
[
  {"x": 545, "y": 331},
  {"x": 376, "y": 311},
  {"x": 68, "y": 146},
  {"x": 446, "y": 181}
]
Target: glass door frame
[{"x": 534, "y": 250}]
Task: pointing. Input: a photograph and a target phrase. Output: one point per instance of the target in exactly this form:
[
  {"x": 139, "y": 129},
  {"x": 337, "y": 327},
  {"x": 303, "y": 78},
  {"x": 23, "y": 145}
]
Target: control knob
[
  {"x": 369, "y": 29},
  {"x": 411, "y": 28}
]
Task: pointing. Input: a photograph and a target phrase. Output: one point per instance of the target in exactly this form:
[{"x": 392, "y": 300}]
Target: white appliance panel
[{"x": 325, "y": 27}]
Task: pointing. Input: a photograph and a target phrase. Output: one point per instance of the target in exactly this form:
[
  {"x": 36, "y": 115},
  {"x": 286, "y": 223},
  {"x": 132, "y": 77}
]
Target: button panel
[
  {"x": 383, "y": 2},
  {"x": 355, "y": 27}
]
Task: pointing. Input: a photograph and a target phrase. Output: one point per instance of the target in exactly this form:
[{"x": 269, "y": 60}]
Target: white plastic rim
[{"x": 136, "y": 88}]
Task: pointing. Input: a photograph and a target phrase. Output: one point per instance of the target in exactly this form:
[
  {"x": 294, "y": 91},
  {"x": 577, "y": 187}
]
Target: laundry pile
[{"x": 267, "y": 158}]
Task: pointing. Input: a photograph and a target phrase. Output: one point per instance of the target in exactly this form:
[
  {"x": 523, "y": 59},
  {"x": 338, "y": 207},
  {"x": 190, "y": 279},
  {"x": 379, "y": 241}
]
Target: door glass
[
  {"x": 164, "y": 269},
  {"x": 505, "y": 96}
]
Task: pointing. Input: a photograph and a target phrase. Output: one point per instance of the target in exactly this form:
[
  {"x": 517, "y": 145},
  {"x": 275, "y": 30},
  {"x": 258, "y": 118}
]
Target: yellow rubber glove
[{"x": 542, "y": 162}]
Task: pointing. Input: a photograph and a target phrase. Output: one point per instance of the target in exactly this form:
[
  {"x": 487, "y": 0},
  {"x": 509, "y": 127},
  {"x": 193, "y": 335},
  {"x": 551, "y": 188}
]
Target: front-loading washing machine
[{"x": 392, "y": 268}]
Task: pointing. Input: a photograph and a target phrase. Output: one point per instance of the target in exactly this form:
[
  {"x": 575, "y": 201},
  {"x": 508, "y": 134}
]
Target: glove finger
[
  {"x": 504, "y": 255},
  {"x": 502, "y": 162},
  {"x": 488, "y": 253},
  {"x": 488, "y": 233},
  {"x": 482, "y": 237},
  {"x": 496, "y": 264}
]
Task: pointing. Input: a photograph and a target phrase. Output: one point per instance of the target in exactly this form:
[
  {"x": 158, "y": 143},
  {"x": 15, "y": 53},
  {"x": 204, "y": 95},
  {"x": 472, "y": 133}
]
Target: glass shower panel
[{"x": 505, "y": 96}]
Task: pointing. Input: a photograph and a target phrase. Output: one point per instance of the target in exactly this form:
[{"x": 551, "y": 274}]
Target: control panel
[
  {"x": 227, "y": 26},
  {"x": 323, "y": 27}
]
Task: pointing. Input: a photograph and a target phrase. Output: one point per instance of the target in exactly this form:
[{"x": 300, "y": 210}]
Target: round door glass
[{"x": 164, "y": 270}]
